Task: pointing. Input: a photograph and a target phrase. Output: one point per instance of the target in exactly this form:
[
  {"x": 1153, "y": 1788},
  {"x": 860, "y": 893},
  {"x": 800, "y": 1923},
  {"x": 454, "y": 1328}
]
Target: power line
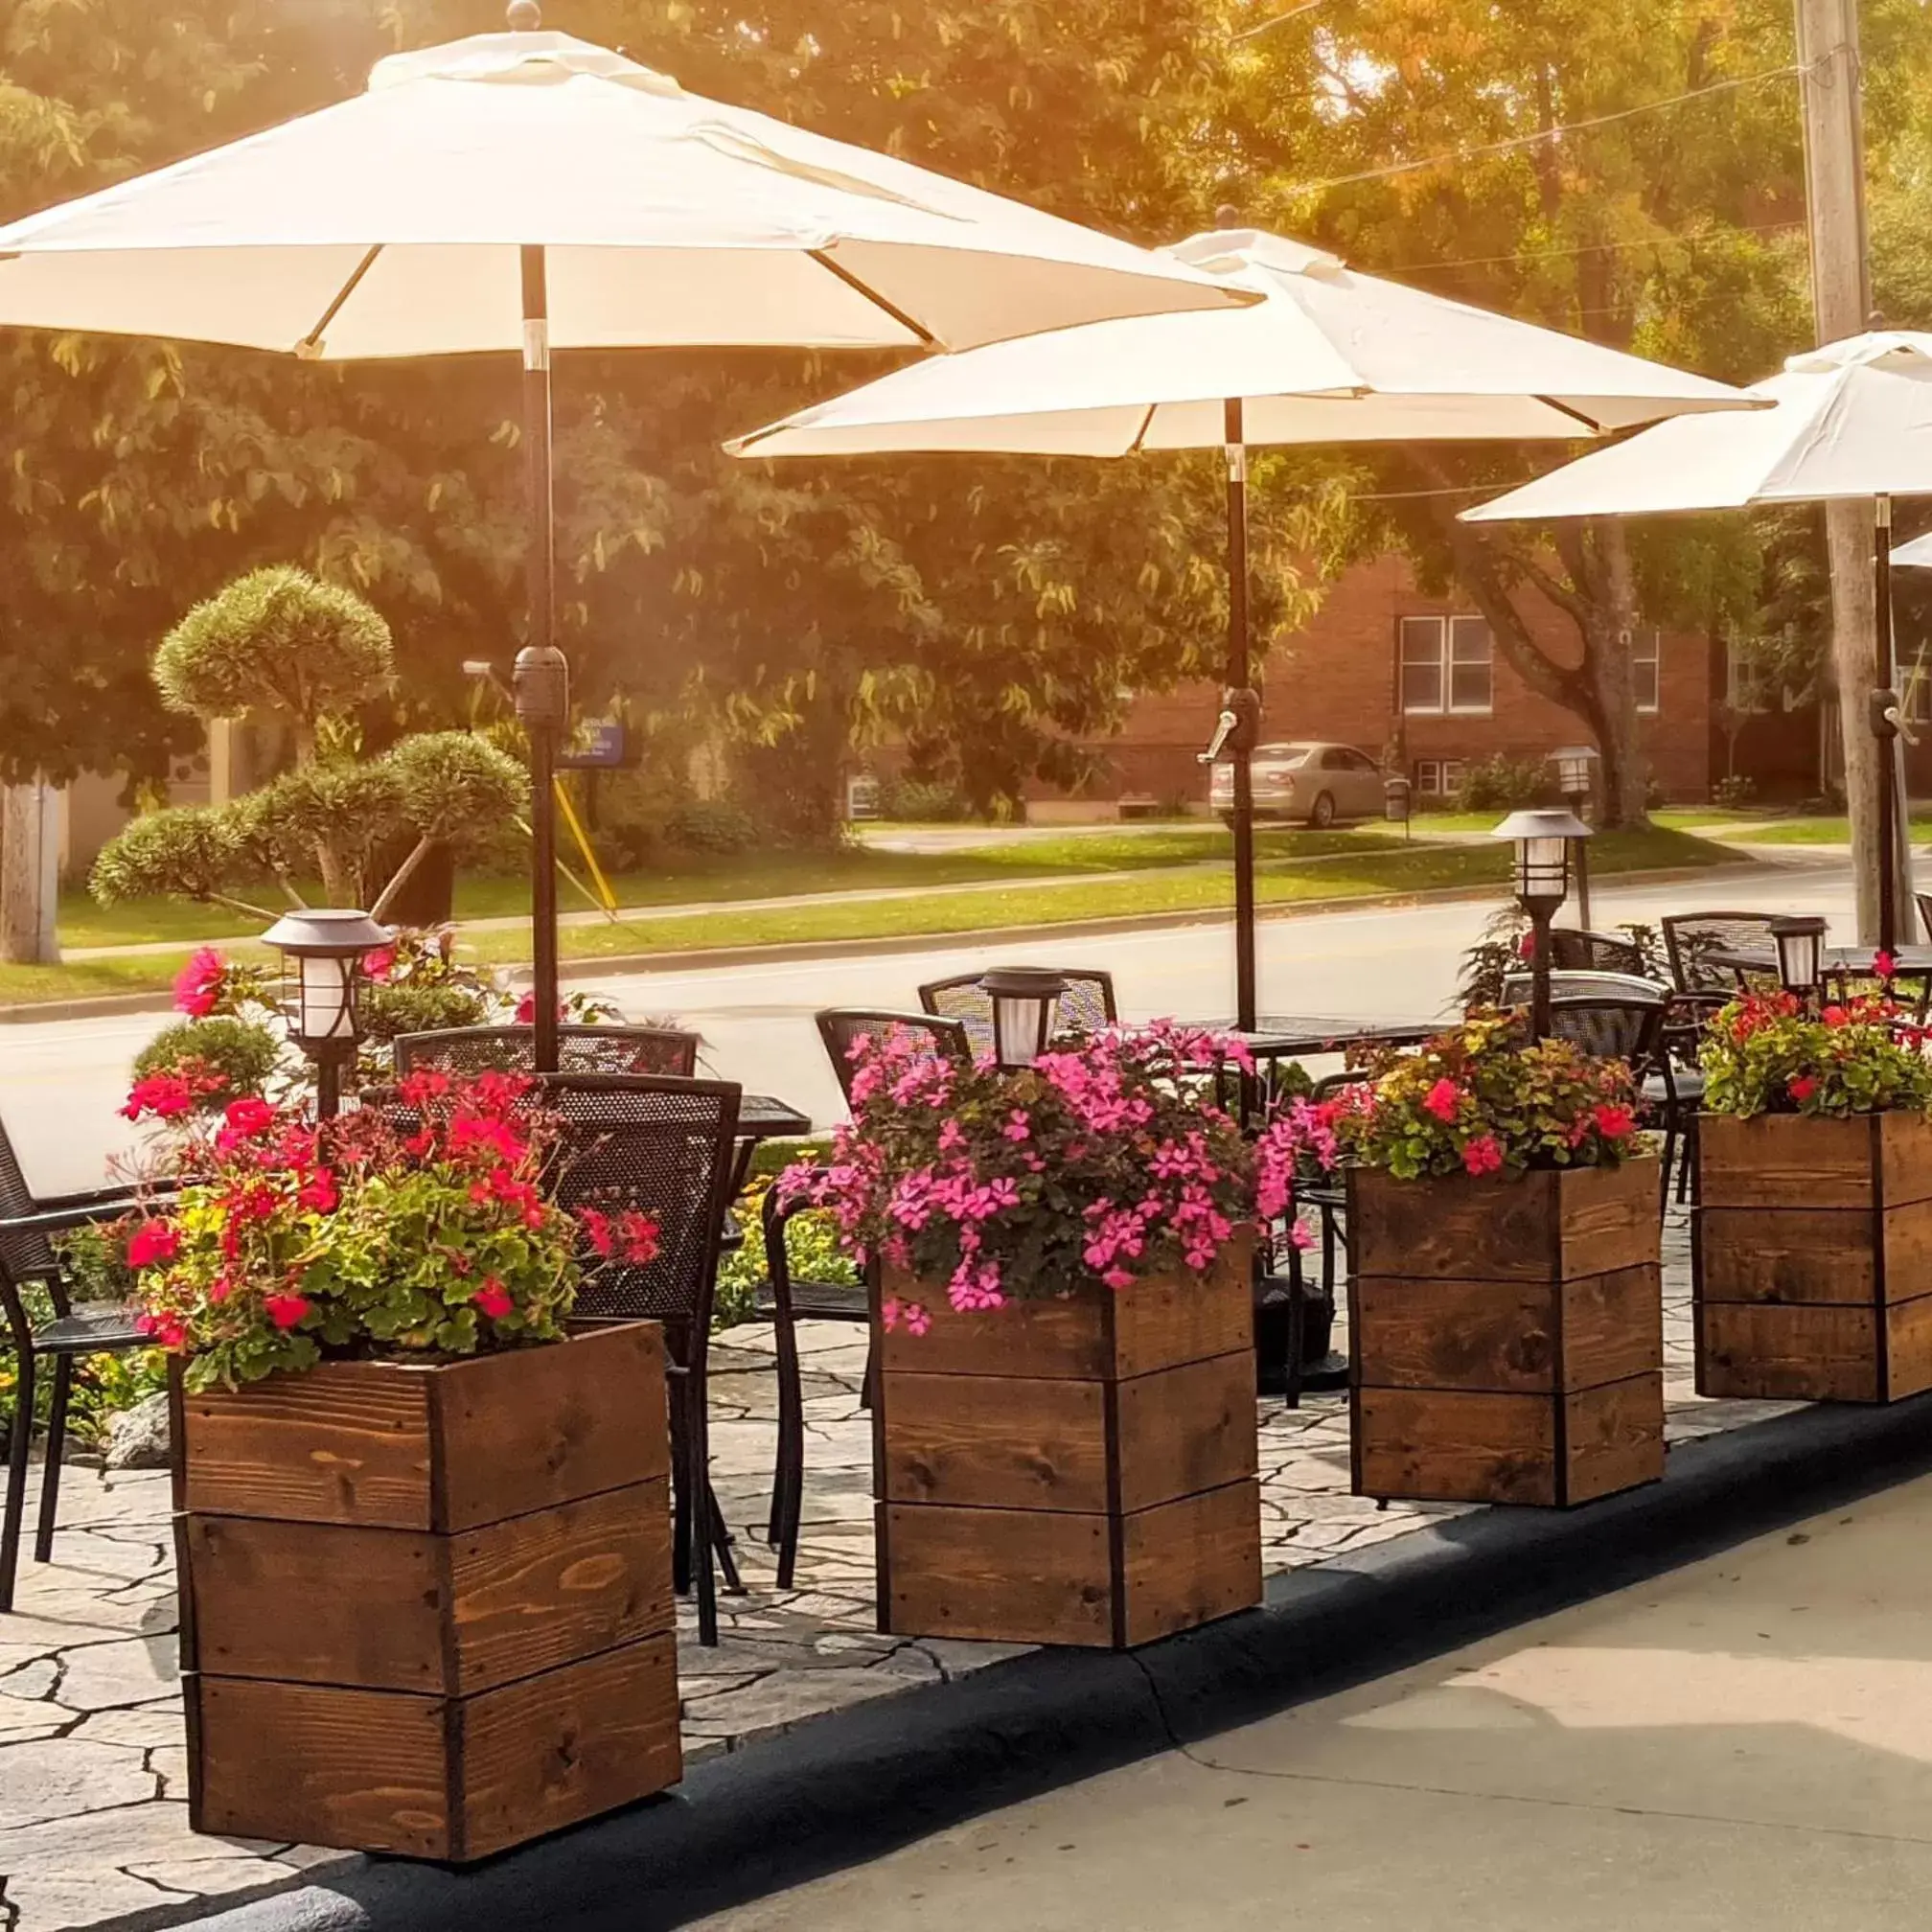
[
  {"x": 1545, "y": 134},
  {"x": 1596, "y": 248}
]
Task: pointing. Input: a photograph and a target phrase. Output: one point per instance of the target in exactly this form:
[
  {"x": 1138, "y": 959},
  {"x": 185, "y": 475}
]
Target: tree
[{"x": 1673, "y": 231}]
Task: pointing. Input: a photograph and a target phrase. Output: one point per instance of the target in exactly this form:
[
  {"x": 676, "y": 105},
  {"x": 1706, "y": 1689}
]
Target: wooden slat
[
  {"x": 348, "y": 1442},
  {"x": 1613, "y": 1326},
  {"x": 317, "y": 1602},
  {"x": 1757, "y": 1350},
  {"x": 1907, "y": 1233},
  {"x": 1158, "y": 1323},
  {"x": 1910, "y": 1331},
  {"x": 1788, "y": 1254},
  {"x": 549, "y": 1751},
  {"x": 1615, "y": 1436},
  {"x": 996, "y": 1441},
  {"x": 1777, "y": 1160},
  {"x": 534, "y": 1427},
  {"x": 319, "y": 1765},
  {"x": 1612, "y": 1217},
  {"x": 1005, "y": 1575},
  {"x": 1191, "y": 1560},
  {"x": 1187, "y": 1430},
  {"x": 1905, "y": 1159},
  {"x": 1450, "y": 1446}
]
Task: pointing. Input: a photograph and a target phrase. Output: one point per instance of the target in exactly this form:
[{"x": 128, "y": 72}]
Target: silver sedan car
[{"x": 1318, "y": 784}]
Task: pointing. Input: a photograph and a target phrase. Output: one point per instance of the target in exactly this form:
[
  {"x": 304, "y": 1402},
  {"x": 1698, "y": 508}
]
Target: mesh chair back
[
  {"x": 666, "y": 1148},
  {"x": 580, "y": 1050},
  {"x": 1609, "y": 1028},
  {"x": 26, "y": 1257},
  {"x": 842, "y": 1028},
  {"x": 1691, "y": 938},
  {"x": 1085, "y": 1006},
  {"x": 1517, "y": 987},
  {"x": 1575, "y": 951}
]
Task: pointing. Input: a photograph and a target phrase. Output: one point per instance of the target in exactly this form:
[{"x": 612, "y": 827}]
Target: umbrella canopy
[
  {"x": 1916, "y": 555},
  {"x": 1852, "y": 419},
  {"x": 1328, "y": 356},
  {"x": 390, "y": 225}
]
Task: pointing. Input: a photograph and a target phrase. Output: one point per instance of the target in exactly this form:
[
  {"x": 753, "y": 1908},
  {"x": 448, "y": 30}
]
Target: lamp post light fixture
[
  {"x": 321, "y": 969},
  {"x": 1542, "y": 881},
  {"x": 1024, "y": 1001},
  {"x": 1573, "y": 763},
  {"x": 1801, "y": 955}
]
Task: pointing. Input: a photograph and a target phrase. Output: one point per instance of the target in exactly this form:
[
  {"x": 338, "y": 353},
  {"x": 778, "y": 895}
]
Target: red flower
[
  {"x": 153, "y": 1241},
  {"x": 526, "y": 1010},
  {"x": 631, "y": 1237},
  {"x": 197, "y": 986},
  {"x": 1836, "y": 1016},
  {"x": 161, "y": 1327},
  {"x": 1615, "y": 1123},
  {"x": 1442, "y": 1100},
  {"x": 319, "y": 1193},
  {"x": 380, "y": 964},
  {"x": 162, "y": 1094},
  {"x": 250, "y": 1116},
  {"x": 600, "y": 1234},
  {"x": 1884, "y": 964},
  {"x": 1802, "y": 1089},
  {"x": 493, "y": 1299},
  {"x": 1482, "y": 1154},
  {"x": 426, "y": 1084},
  {"x": 286, "y": 1310},
  {"x": 486, "y": 1134}
]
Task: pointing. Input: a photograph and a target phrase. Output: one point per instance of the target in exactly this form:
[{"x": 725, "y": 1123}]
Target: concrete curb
[
  {"x": 854, "y": 1786},
  {"x": 700, "y": 958}
]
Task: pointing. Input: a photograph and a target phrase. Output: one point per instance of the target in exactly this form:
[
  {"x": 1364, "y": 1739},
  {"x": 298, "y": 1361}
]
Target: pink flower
[
  {"x": 1442, "y": 1100},
  {"x": 1017, "y": 1128},
  {"x": 494, "y": 1299},
  {"x": 153, "y": 1241},
  {"x": 1802, "y": 1089},
  {"x": 1300, "y": 1235},
  {"x": 380, "y": 964},
  {"x": 526, "y": 1010},
  {"x": 917, "y": 1321},
  {"x": 197, "y": 986},
  {"x": 1482, "y": 1154},
  {"x": 889, "y": 1311},
  {"x": 1118, "y": 1278},
  {"x": 285, "y": 1310}
]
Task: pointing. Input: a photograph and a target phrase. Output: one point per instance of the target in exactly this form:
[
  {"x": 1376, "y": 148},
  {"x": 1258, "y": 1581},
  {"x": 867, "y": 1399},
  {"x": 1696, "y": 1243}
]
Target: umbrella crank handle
[
  {"x": 1224, "y": 729},
  {"x": 1888, "y": 717}
]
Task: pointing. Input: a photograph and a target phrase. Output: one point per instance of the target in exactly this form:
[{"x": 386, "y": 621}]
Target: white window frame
[
  {"x": 1448, "y": 633},
  {"x": 1647, "y": 648},
  {"x": 1438, "y": 777},
  {"x": 1745, "y": 689}
]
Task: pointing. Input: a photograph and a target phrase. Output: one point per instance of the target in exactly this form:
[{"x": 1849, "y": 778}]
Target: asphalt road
[
  {"x": 1744, "y": 1745},
  {"x": 60, "y": 1082}
]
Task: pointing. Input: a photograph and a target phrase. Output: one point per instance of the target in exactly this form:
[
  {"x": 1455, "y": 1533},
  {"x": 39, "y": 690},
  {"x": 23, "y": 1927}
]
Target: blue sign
[{"x": 598, "y": 743}]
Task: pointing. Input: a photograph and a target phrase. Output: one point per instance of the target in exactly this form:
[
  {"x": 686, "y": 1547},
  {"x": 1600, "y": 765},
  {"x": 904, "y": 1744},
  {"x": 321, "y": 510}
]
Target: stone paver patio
[{"x": 93, "y": 1813}]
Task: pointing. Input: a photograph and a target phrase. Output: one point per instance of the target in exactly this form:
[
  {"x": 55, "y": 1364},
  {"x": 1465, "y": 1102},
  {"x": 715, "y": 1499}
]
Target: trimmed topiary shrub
[{"x": 243, "y": 1052}]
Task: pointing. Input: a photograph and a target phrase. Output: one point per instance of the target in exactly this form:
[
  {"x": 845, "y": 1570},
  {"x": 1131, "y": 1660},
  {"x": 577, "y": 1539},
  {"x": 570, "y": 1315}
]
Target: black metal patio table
[
  {"x": 1277, "y": 1036},
  {"x": 763, "y": 1117}
]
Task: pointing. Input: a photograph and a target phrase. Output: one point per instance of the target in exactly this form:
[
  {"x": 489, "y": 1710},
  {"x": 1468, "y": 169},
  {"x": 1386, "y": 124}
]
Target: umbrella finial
[
  {"x": 524, "y": 16},
  {"x": 1227, "y": 216}
]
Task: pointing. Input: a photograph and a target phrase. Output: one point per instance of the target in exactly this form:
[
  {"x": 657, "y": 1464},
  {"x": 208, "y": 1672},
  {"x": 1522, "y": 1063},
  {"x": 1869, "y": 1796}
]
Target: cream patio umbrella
[
  {"x": 527, "y": 191},
  {"x": 1329, "y": 355},
  {"x": 1852, "y": 419}
]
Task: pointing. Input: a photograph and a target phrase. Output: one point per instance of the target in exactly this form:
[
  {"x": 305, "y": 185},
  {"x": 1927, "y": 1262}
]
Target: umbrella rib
[
  {"x": 923, "y": 336},
  {"x": 313, "y": 342},
  {"x": 1140, "y": 434},
  {"x": 1590, "y": 423}
]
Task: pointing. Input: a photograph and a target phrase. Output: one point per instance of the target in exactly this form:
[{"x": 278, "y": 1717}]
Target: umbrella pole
[
  {"x": 543, "y": 675},
  {"x": 1246, "y": 706},
  {"x": 1884, "y": 722}
]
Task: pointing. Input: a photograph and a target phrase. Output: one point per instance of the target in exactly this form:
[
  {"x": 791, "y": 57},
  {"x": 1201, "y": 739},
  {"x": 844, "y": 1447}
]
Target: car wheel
[{"x": 1323, "y": 815}]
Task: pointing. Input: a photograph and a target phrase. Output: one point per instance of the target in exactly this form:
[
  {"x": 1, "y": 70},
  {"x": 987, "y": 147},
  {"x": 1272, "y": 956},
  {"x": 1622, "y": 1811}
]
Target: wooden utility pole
[
  {"x": 1841, "y": 297},
  {"x": 30, "y": 873}
]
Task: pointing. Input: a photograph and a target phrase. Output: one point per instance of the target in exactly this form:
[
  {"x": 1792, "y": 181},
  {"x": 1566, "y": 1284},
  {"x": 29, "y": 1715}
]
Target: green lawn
[
  {"x": 753, "y": 876},
  {"x": 1340, "y": 866},
  {"x": 1820, "y": 831}
]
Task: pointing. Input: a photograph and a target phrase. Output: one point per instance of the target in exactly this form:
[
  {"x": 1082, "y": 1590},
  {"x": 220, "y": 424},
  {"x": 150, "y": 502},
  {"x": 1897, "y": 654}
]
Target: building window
[
  {"x": 1438, "y": 777},
  {"x": 1647, "y": 652},
  {"x": 1746, "y": 689},
  {"x": 1447, "y": 665},
  {"x": 1915, "y": 681}
]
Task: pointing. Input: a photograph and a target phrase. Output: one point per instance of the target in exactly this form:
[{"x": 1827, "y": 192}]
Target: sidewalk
[{"x": 1740, "y": 1746}]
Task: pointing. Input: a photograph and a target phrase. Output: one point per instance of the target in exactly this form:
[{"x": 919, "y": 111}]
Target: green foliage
[
  {"x": 94, "y": 1258},
  {"x": 1483, "y": 1098},
  {"x": 103, "y": 1384},
  {"x": 344, "y": 816},
  {"x": 1765, "y": 1054},
  {"x": 927, "y": 801},
  {"x": 1500, "y": 784},
  {"x": 183, "y": 852},
  {"x": 455, "y": 786},
  {"x": 243, "y": 1052},
  {"x": 421, "y": 1007},
  {"x": 810, "y": 1246},
  {"x": 714, "y": 825},
  {"x": 276, "y": 639}
]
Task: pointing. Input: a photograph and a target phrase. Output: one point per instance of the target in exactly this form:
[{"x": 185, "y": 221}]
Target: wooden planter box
[
  {"x": 1812, "y": 1257},
  {"x": 1077, "y": 1471},
  {"x": 427, "y": 1609},
  {"x": 1508, "y": 1335}
]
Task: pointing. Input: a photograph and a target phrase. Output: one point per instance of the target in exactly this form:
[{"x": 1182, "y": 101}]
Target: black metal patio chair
[
  {"x": 785, "y": 1301},
  {"x": 1575, "y": 949},
  {"x": 666, "y": 1147},
  {"x": 1086, "y": 1004},
  {"x": 73, "y": 1330},
  {"x": 580, "y": 1050}
]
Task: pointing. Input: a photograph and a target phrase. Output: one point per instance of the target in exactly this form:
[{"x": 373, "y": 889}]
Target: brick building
[{"x": 1413, "y": 680}]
